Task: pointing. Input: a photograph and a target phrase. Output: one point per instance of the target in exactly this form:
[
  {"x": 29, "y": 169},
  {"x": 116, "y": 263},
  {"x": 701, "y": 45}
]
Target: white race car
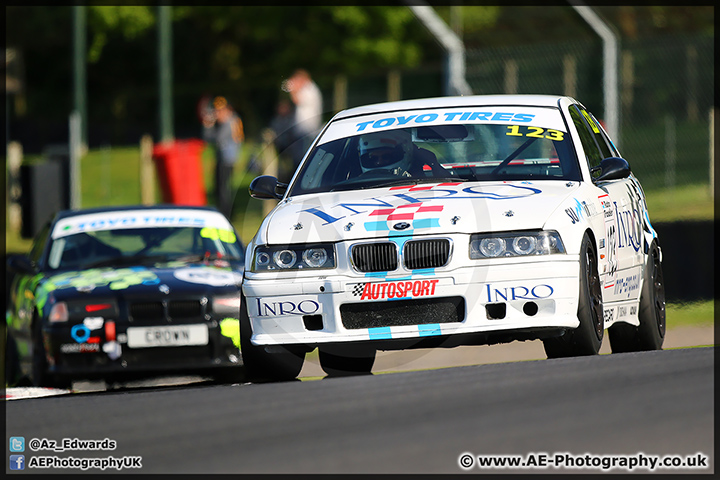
[{"x": 451, "y": 221}]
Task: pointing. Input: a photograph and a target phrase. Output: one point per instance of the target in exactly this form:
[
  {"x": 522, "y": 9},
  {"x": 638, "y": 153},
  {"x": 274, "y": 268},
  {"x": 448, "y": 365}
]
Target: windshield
[
  {"x": 431, "y": 153},
  {"x": 140, "y": 246}
]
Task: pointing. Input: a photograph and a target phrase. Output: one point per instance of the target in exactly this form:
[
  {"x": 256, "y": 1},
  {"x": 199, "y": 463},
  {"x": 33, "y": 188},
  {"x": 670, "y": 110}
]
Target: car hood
[
  {"x": 466, "y": 207},
  {"x": 174, "y": 279}
]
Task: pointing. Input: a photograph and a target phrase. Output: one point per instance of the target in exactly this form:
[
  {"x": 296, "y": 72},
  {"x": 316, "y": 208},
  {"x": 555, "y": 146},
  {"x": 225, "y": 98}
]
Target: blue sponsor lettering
[
  {"x": 384, "y": 122},
  {"x": 304, "y": 307},
  {"x": 479, "y": 116},
  {"x": 405, "y": 120},
  {"x": 448, "y": 117},
  {"x": 522, "y": 191},
  {"x": 518, "y": 293},
  {"x": 427, "y": 117}
]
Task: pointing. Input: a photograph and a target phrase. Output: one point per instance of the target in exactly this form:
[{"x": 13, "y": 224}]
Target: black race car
[{"x": 117, "y": 293}]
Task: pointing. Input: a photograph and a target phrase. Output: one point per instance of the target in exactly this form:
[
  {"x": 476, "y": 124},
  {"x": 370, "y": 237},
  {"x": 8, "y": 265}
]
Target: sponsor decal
[
  {"x": 395, "y": 290},
  {"x": 581, "y": 210},
  {"x": 207, "y": 276},
  {"x": 115, "y": 279},
  {"x": 633, "y": 310},
  {"x": 292, "y": 306},
  {"x": 80, "y": 347},
  {"x": 630, "y": 222},
  {"x": 93, "y": 323},
  {"x": 608, "y": 315},
  {"x": 140, "y": 219},
  {"x": 80, "y": 333},
  {"x": 622, "y": 312},
  {"x": 382, "y": 218},
  {"x": 518, "y": 292},
  {"x": 113, "y": 350},
  {"x": 414, "y": 196},
  {"x": 456, "y": 116},
  {"x": 627, "y": 285}
]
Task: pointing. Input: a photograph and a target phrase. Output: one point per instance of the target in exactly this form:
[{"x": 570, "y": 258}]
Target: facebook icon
[{"x": 17, "y": 462}]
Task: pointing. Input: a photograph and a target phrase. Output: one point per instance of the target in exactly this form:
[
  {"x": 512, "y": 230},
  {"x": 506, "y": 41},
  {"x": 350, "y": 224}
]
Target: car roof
[
  {"x": 72, "y": 213},
  {"x": 456, "y": 101}
]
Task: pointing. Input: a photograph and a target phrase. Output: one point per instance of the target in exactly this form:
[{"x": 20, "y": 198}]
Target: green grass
[
  {"x": 690, "y": 314},
  {"x": 686, "y": 202}
]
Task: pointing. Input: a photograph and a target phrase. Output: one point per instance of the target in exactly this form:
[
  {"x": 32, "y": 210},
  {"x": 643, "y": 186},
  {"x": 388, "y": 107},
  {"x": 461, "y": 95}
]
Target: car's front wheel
[
  {"x": 650, "y": 334},
  {"x": 586, "y": 339},
  {"x": 279, "y": 364},
  {"x": 344, "y": 360}
]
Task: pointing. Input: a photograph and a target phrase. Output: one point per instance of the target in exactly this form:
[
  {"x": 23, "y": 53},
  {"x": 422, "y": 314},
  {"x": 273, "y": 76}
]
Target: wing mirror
[
  {"x": 267, "y": 187},
  {"x": 20, "y": 264},
  {"x": 611, "y": 168}
]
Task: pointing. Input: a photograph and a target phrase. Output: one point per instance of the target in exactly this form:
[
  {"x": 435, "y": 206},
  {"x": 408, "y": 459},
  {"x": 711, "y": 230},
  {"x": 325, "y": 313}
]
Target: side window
[
  {"x": 593, "y": 154},
  {"x": 596, "y": 129},
  {"x": 40, "y": 241}
]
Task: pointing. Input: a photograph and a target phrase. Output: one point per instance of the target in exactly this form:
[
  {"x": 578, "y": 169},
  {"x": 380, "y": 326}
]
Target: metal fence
[
  {"x": 666, "y": 95},
  {"x": 666, "y": 88}
]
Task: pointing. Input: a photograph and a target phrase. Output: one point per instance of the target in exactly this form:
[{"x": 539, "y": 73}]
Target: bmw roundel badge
[{"x": 401, "y": 226}]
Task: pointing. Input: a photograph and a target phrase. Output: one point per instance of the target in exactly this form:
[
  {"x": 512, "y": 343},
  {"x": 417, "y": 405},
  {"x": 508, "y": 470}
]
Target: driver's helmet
[{"x": 389, "y": 150}]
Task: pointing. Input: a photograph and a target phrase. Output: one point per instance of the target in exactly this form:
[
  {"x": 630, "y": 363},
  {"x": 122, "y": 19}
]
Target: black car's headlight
[
  {"x": 226, "y": 305},
  {"x": 515, "y": 244},
  {"x": 296, "y": 257}
]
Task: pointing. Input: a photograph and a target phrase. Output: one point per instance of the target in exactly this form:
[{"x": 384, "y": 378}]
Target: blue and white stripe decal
[{"x": 386, "y": 333}]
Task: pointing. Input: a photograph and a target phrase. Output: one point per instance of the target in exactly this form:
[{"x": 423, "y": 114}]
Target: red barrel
[{"x": 179, "y": 168}]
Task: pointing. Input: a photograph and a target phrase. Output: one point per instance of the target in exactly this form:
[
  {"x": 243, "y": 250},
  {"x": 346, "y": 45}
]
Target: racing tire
[
  {"x": 650, "y": 334},
  {"x": 41, "y": 376},
  {"x": 587, "y": 338},
  {"x": 281, "y": 364},
  {"x": 346, "y": 360}
]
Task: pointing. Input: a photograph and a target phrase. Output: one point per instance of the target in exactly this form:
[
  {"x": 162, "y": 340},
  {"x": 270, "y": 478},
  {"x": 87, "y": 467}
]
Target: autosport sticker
[
  {"x": 394, "y": 290},
  {"x": 139, "y": 219},
  {"x": 416, "y": 195},
  {"x": 208, "y": 276},
  {"x": 549, "y": 118}
]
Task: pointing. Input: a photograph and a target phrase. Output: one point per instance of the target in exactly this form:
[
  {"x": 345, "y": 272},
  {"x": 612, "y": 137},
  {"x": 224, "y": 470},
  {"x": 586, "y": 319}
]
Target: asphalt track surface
[{"x": 651, "y": 403}]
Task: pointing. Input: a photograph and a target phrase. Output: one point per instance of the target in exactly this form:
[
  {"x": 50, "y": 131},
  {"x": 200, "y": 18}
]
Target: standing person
[
  {"x": 307, "y": 98},
  {"x": 223, "y": 128},
  {"x": 281, "y": 126}
]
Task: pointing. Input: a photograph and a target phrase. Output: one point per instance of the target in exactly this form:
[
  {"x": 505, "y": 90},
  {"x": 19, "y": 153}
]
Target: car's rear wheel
[
  {"x": 260, "y": 365},
  {"x": 586, "y": 339},
  {"x": 344, "y": 360},
  {"x": 650, "y": 334},
  {"x": 42, "y": 377}
]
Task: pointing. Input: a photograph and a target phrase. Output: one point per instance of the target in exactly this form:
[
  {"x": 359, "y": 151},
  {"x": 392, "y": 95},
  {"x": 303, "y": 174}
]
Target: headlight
[
  {"x": 515, "y": 244},
  {"x": 226, "y": 306},
  {"x": 58, "y": 313},
  {"x": 298, "y": 257}
]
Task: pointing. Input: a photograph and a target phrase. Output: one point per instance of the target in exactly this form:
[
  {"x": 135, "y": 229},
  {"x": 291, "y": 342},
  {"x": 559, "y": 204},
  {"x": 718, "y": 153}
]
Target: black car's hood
[{"x": 170, "y": 278}]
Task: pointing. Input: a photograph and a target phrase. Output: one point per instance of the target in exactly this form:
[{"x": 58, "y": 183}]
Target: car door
[{"x": 621, "y": 251}]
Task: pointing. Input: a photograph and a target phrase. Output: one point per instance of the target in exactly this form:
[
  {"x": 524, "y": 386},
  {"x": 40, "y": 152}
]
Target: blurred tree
[{"x": 244, "y": 52}]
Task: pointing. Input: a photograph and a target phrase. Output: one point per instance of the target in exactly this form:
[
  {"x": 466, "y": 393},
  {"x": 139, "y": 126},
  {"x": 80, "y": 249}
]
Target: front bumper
[
  {"x": 101, "y": 356},
  {"x": 469, "y": 304}
]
